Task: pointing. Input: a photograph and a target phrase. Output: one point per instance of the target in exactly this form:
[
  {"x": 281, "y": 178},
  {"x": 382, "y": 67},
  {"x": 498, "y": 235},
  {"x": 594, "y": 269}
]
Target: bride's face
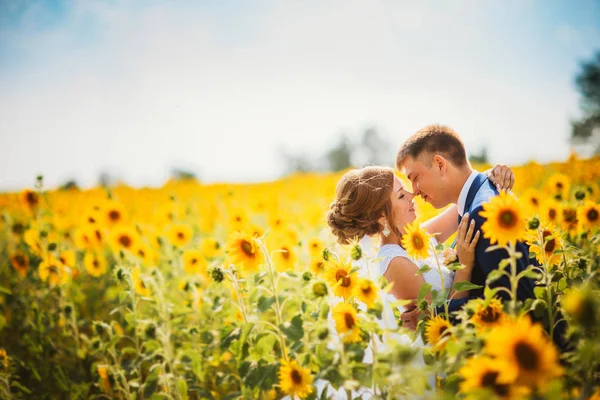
[{"x": 403, "y": 206}]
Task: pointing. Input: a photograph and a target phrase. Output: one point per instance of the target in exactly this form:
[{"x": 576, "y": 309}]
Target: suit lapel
[{"x": 479, "y": 180}]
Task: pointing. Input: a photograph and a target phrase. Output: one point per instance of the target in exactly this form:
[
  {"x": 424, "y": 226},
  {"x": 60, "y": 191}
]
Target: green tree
[{"x": 586, "y": 130}]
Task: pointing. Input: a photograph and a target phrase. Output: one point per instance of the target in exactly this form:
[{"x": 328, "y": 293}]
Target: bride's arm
[
  {"x": 402, "y": 273},
  {"x": 445, "y": 223}
]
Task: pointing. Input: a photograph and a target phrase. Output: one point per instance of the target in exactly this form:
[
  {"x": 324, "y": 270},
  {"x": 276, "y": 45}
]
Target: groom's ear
[{"x": 440, "y": 163}]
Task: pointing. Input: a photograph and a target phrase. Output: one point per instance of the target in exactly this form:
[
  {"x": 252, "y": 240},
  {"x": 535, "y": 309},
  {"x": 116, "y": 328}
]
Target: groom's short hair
[{"x": 433, "y": 139}]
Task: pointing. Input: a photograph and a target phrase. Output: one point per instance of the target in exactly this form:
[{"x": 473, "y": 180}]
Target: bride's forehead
[{"x": 398, "y": 184}]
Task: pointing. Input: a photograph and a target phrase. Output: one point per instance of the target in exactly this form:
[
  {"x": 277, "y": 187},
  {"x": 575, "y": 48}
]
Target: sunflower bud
[
  {"x": 193, "y": 331},
  {"x": 324, "y": 311},
  {"x": 423, "y": 305},
  {"x": 326, "y": 254},
  {"x": 121, "y": 274},
  {"x": 150, "y": 331},
  {"x": 323, "y": 333},
  {"x": 217, "y": 275},
  {"x": 534, "y": 223},
  {"x": 96, "y": 344},
  {"x": 404, "y": 354},
  {"x": 319, "y": 289},
  {"x": 356, "y": 252},
  {"x": 51, "y": 246},
  {"x": 580, "y": 195},
  {"x": 67, "y": 310},
  {"x": 307, "y": 276},
  {"x": 99, "y": 328}
]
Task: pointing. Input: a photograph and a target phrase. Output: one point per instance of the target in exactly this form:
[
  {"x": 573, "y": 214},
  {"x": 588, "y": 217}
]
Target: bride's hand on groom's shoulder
[{"x": 502, "y": 176}]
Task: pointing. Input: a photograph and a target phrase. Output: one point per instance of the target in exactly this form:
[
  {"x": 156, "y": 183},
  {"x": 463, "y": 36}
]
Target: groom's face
[{"x": 426, "y": 179}]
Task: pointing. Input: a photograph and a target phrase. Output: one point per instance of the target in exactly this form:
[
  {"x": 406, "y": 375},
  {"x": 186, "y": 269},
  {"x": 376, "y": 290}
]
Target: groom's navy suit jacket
[{"x": 480, "y": 192}]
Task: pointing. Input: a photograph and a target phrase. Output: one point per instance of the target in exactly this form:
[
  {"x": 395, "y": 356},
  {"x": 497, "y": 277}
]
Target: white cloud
[{"x": 140, "y": 90}]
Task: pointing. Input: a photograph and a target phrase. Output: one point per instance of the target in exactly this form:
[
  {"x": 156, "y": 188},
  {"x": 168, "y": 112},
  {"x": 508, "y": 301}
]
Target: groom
[{"x": 434, "y": 160}]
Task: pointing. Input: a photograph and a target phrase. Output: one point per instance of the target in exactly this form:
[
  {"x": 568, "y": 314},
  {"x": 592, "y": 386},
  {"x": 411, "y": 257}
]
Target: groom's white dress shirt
[{"x": 462, "y": 197}]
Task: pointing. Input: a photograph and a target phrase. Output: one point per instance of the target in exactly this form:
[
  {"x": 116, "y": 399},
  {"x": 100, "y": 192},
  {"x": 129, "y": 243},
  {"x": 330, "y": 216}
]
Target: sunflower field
[{"x": 229, "y": 291}]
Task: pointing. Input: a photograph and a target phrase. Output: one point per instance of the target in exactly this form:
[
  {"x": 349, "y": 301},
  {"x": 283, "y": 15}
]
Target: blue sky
[{"x": 135, "y": 88}]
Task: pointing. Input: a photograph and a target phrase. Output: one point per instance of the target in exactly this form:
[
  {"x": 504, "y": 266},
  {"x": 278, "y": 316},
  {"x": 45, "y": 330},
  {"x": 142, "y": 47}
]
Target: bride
[{"x": 372, "y": 201}]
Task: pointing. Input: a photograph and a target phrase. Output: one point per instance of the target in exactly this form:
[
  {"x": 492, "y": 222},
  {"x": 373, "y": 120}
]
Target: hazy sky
[{"x": 138, "y": 87}]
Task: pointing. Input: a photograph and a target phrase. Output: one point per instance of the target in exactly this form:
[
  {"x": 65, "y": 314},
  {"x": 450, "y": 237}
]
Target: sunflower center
[
  {"x": 592, "y": 215},
  {"x": 285, "y": 254},
  {"x": 98, "y": 235},
  {"x": 296, "y": 377},
  {"x": 20, "y": 260},
  {"x": 534, "y": 201},
  {"x": 247, "y": 248},
  {"x": 507, "y": 219},
  {"x": 442, "y": 330},
  {"x": 366, "y": 288},
  {"x": 180, "y": 235},
  {"x": 488, "y": 380},
  {"x": 31, "y": 198},
  {"x": 92, "y": 220},
  {"x": 96, "y": 264},
  {"x": 570, "y": 215},
  {"x": 349, "y": 320},
  {"x": 343, "y": 276},
  {"x": 417, "y": 242},
  {"x": 526, "y": 356},
  {"x": 550, "y": 244},
  {"x": 193, "y": 261},
  {"x": 559, "y": 185},
  {"x": 114, "y": 215},
  {"x": 552, "y": 213},
  {"x": 489, "y": 315},
  {"x": 125, "y": 241}
]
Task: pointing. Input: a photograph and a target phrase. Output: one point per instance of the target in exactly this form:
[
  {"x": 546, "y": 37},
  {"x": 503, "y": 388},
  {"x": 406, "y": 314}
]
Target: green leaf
[
  {"x": 562, "y": 284},
  {"x": 293, "y": 329},
  {"x": 539, "y": 291},
  {"x": 503, "y": 264},
  {"x": 425, "y": 268},
  {"x": 182, "y": 387},
  {"x": 423, "y": 291},
  {"x": 465, "y": 285},
  {"x": 489, "y": 293},
  {"x": 20, "y": 387},
  {"x": 456, "y": 266},
  {"x": 5, "y": 290},
  {"x": 439, "y": 247},
  {"x": 265, "y": 303},
  {"x": 494, "y": 276},
  {"x": 530, "y": 273}
]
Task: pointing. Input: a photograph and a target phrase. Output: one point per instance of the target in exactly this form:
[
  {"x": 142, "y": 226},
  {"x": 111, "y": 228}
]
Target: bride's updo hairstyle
[{"x": 361, "y": 197}]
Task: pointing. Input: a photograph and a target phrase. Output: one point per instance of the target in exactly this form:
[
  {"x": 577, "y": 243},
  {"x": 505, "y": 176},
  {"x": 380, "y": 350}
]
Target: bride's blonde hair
[{"x": 362, "y": 197}]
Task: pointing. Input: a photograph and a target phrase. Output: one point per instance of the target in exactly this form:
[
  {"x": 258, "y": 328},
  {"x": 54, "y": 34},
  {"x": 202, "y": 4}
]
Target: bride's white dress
[{"x": 382, "y": 257}]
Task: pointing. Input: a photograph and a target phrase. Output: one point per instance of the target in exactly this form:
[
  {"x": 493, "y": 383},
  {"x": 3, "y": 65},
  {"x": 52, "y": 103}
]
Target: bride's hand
[
  {"x": 466, "y": 242},
  {"x": 502, "y": 176}
]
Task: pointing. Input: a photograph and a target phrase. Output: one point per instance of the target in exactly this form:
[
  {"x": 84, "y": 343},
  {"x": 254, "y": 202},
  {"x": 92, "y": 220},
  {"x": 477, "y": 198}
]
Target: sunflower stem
[
  {"x": 439, "y": 267},
  {"x": 267, "y": 256},
  {"x": 514, "y": 280},
  {"x": 547, "y": 281},
  {"x": 239, "y": 296}
]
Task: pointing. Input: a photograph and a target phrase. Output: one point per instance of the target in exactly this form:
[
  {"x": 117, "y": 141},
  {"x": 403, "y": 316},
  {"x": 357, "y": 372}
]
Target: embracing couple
[{"x": 373, "y": 201}]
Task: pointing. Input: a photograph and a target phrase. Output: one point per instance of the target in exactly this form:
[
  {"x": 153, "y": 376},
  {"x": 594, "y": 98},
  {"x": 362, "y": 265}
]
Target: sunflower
[
  {"x": 589, "y": 216},
  {"x": 284, "y": 256},
  {"x": 416, "y": 241},
  {"x": 580, "y": 305},
  {"x": 20, "y": 263},
  {"x": 211, "y": 247},
  {"x": 366, "y": 291},
  {"x": 32, "y": 238},
  {"x": 125, "y": 238},
  {"x": 559, "y": 185},
  {"x": 569, "y": 218},
  {"x": 194, "y": 262},
  {"x": 52, "y": 271},
  {"x": 315, "y": 246},
  {"x": 529, "y": 353},
  {"x": 551, "y": 212},
  {"x": 238, "y": 219},
  {"x": 138, "y": 283},
  {"x": 505, "y": 219},
  {"x": 30, "y": 199},
  {"x": 4, "y": 360},
  {"x": 103, "y": 373},
  {"x": 114, "y": 213},
  {"x": 295, "y": 380},
  {"x": 94, "y": 264},
  {"x": 145, "y": 253},
  {"x": 339, "y": 276},
  {"x": 179, "y": 234},
  {"x": 346, "y": 322},
  {"x": 552, "y": 242},
  {"x": 532, "y": 200},
  {"x": 243, "y": 251},
  {"x": 67, "y": 258},
  {"x": 488, "y": 316},
  {"x": 317, "y": 265},
  {"x": 486, "y": 374},
  {"x": 438, "y": 332}
]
